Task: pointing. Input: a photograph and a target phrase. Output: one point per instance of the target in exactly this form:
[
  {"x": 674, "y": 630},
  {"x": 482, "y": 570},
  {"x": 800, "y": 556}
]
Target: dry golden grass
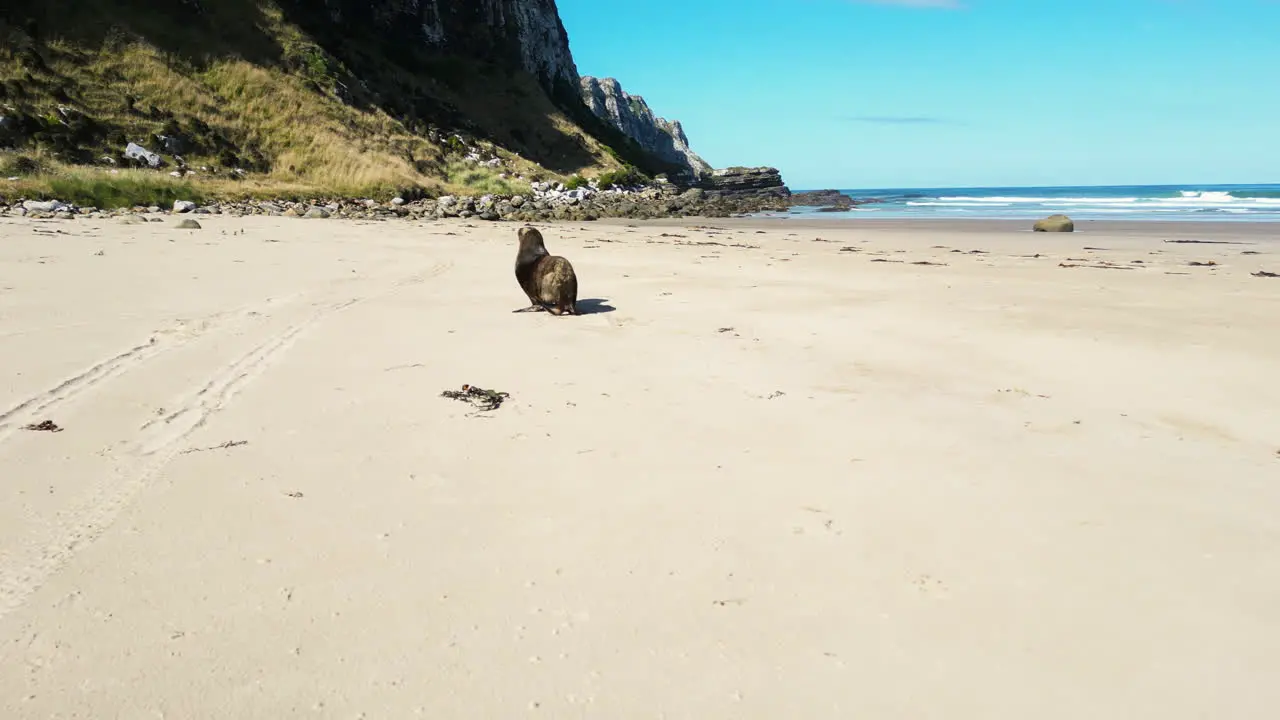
[
  {"x": 110, "y": 189},
  {"x": 307, "y": 140}
]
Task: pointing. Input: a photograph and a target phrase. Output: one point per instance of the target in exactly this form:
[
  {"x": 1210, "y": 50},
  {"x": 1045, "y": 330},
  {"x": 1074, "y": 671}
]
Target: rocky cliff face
[
  {"x": 523, "y": 35},
  {"x": 631, "y": 114},
  {"x": 399, "y": 93},
  {"x": 519, "y": 33}
]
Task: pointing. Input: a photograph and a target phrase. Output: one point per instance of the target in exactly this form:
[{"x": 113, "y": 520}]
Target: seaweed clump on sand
[{"x": 484, "y": 400}]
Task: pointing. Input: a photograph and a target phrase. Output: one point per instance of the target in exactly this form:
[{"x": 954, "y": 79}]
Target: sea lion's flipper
[{"x": 531, "y": 308}]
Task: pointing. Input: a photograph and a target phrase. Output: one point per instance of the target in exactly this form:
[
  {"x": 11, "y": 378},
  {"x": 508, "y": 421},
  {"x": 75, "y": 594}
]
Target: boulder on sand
[{"x": 1055, "y": 223}]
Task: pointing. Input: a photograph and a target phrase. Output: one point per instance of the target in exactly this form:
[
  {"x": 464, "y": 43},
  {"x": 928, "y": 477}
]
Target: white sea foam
[
  {"x": 1169, "y": 203},
  {"x": 1188, "y": 200}
]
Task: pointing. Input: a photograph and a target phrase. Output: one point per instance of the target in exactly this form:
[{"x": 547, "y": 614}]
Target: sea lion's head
[
  {"x": 531, "y": 244},
  {"x": 530, "y": 237}
]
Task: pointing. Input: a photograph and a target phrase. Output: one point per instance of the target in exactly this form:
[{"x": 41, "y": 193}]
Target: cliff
[
  {"x": 632, "y": 116},
  {"x": 345, "y": 96},
  {"x": 524, "y": 34}
]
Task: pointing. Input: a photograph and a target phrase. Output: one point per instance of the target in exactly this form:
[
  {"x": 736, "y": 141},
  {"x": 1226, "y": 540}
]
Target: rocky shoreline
[
  {"x": 738, "y": 191},
  {"x": 571, "y": 205},
  {"x": 829, "y": 200}
]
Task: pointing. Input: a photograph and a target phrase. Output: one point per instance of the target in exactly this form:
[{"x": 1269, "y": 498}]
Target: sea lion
[{"x": 547, "y": 279}]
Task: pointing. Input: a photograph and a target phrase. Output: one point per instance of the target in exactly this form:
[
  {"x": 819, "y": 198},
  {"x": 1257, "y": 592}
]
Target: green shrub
[
  {"x": 626, "y": 177},
  {"x": 476, "y": 178},
  {"x": 575, "y": 182},
  {"x": 11, "y": 165},
  {"x": 116, "y": 191},
  {"x": 454, "y": 146}
]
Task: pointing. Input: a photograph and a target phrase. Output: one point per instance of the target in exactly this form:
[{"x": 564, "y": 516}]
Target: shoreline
[
  {"x": 1031, "y": 218},
  {"x": 421, "y": 211},
  {"x": 1258, "y": 230},
  {"x": 548, "y": 202},
  {"x": 856, "y": 216}
]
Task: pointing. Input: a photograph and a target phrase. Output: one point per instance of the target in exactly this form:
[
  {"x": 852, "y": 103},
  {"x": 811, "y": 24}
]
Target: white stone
[
  {"x": 183, "y": 206},
  {"x": 44, "y": 206},
  {"x": 134, "y": 151}
]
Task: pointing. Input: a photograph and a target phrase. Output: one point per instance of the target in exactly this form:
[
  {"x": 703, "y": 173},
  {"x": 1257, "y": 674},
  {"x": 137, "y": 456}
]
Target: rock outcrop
[
  {"x": 632, "y": 116},
  {"x": 1055, "y": 223},
  {"x": 821, "y": 199},
  {"x": 761, "y": 182}
]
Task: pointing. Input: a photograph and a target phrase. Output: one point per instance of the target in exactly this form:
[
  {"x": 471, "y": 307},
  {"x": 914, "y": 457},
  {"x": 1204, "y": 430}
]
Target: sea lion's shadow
[
  {"x": 594, "y": 306},
  {"x": 590, "y": 306}
]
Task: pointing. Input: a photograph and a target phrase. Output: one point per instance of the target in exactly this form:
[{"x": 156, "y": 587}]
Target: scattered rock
[
  {"x": 1055, "y": 223},
  {"x": 188, "y": 224},
  {"x": 545, "y": 202}
]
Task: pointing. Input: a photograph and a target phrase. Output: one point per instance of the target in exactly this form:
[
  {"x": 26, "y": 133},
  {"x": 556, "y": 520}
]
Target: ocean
[{"x": 1119, "y": 202}]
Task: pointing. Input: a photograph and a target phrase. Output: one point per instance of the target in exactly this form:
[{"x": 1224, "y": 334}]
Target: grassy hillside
[{"x": 238, "y": 84}]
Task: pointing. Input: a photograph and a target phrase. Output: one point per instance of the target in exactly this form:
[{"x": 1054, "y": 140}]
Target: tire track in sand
[
  {"x": 23, "y": 570},
  {"x": 180, "y": 333}
]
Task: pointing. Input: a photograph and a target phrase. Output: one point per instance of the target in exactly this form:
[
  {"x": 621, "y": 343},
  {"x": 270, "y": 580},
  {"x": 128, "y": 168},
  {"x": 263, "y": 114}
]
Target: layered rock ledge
[{"x": 762, "y": 183}]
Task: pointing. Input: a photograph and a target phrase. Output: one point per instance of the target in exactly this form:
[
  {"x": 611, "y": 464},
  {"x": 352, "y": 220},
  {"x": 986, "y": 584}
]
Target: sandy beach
[{"x": 777, "y": 469}]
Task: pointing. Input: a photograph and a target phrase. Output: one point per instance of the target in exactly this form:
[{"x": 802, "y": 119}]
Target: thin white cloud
[
  {"x": 948, "y": 4},
  {"x": 901, "y": 120}
]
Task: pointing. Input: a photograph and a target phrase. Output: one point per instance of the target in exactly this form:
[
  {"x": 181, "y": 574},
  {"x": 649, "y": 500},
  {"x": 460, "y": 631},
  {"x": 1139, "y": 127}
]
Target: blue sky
[{"x": 928, "y": 93}]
